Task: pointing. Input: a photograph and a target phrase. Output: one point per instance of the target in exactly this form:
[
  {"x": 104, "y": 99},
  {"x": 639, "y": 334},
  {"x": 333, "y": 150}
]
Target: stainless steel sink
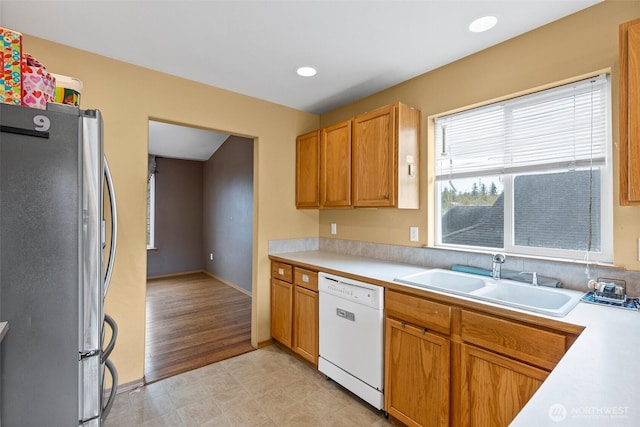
[
  {"x": 549, "y": 301},
  {"x": 444, "y": 280}
]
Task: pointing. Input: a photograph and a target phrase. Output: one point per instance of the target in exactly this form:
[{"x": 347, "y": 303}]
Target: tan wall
[
  {"x": 128, "y": 96},
  {"x": 579, "y": 44}
]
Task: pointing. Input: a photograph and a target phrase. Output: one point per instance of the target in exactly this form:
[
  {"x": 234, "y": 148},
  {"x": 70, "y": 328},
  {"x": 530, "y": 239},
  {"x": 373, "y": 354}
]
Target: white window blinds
[{"x": 560, "y": 128}]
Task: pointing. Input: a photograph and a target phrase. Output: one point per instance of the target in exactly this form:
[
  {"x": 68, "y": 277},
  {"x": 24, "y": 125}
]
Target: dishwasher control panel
[{"x": 360, "y": 292}]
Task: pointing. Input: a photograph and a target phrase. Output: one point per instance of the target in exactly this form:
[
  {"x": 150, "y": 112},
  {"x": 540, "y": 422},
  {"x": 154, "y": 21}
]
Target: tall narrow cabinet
[
  {"x": 630, "y": 113},
  {"x": 308, "y": 170}
]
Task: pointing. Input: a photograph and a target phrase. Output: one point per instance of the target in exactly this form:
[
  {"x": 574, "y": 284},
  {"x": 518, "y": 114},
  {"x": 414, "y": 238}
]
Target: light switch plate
[
  {"x": 413, "y": 234},
  {"x": 334, "y": 228}
]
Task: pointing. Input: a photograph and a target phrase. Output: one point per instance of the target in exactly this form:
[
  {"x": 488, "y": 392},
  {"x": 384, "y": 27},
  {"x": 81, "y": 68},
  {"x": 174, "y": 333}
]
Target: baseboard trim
[
  {"x": 263, "y": 344},
  {"x": 233, "y": 285},
  {"x": 183, "y": 273},
  {"x": 126, "y": 387}
]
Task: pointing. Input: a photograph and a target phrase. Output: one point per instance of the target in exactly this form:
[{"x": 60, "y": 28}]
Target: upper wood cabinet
[
  {"x": 384, "y": 150},
  {"x": 335, "y": 165},
  {"x": 368, "y": 161},
  {"x": 630, "y": 113},
  {"x": 308, "y": 170}
]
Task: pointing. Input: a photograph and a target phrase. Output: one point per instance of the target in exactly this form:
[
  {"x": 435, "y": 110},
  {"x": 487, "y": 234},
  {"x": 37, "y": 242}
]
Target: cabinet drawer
[
  {"x": 305, "y": 278},
  {"x": 527, "y": 343},
  {"x": 419, "y": 311},
  {"x": 281, "y": 271}
]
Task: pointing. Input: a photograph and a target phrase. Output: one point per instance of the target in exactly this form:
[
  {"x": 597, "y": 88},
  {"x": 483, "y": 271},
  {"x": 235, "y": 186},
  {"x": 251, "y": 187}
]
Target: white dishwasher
[{"x": 351, "y": 331}]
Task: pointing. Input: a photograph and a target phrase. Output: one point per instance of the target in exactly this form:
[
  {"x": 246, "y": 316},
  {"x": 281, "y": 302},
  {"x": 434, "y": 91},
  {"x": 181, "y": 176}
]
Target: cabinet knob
[
  {"x": 281, "y": 271},
  {"x": 403, "y": 325},
  {"x": 424, "y": 331},
  {"x": 305, "y": 278}
]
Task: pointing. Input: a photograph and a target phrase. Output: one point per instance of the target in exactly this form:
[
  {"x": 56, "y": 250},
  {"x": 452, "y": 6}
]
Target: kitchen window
[{"x": 530, "y": 175}]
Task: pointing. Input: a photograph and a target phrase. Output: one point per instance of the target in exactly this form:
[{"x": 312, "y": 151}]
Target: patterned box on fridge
[
  {"x": 68, "y": 90},
  {"x": 38, "y": 85},
  {"x": 11, "y": 76}
]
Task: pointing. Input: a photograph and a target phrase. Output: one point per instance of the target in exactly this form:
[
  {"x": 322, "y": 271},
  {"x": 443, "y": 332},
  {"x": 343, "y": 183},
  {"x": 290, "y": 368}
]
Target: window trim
[
  {"x": 605, "y": 255},
  {"x": 151, "y": 212}
]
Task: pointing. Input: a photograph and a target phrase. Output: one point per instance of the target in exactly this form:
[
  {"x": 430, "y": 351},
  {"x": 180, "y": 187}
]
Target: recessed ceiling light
[
  {"x": 483, "y": 24},
  {"x": 307, "y": 71}
]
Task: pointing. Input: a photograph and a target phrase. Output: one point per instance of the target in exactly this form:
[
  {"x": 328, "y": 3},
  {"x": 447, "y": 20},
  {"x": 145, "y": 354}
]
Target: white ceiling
[
  {"x": 181, "y": 142},
  {"x": 254, "y": 47}
]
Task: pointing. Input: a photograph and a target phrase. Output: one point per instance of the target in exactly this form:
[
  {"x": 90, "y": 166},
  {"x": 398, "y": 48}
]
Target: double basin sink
[{"x": 550, "y": 301}]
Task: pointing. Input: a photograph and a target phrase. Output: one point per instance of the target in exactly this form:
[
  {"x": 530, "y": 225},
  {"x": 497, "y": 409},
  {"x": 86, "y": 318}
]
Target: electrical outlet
[
  {"x": 413, "y": 234},
  {"x": 334, "y": 228}
]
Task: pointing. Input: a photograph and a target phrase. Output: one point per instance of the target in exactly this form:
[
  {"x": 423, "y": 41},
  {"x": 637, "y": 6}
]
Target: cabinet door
[
  {"x": 630, "y": 113},
  {"x": 495, "y": 388},
  {"x": 335, "y": 165},
  {"x": 281, "y": 311},
  {"x": 305, "y": 325},
  {"x": 416, "y": 375},
  {"x": 308, "y": 170},
  {"x": 374, "y": 162}
]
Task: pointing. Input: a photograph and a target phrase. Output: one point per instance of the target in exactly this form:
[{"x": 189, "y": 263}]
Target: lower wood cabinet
[
  {"x": 444, "y": 364},
  {"x": 494, "y": 387},
  {"x": 305, "y": 323},
  {"x": 447, "y": 365},
  {"x": 281, "y": 311},
  {"x": 294, "y": 309},
  {"x": 416, "y": 375}
]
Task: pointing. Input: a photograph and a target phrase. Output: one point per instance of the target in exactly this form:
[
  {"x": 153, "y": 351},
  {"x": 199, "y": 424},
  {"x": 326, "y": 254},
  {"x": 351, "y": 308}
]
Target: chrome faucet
[
  {"x": 534, "y": 277},
  {"x": 498, "y": 260}
]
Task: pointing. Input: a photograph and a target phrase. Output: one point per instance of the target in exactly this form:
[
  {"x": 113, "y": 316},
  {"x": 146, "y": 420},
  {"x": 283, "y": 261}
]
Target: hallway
[{"x": 193, "y": 320}]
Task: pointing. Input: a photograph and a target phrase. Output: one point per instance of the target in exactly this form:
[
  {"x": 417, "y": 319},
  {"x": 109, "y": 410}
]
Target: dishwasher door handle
[{"x": 345, "y": 314}]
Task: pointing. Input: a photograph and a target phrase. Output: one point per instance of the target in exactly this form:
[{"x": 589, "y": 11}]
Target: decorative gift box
[
  {"x": 11, "y": 76},
  {"x": 68, "y": 90},
  {"x": 38, "y": 85}
]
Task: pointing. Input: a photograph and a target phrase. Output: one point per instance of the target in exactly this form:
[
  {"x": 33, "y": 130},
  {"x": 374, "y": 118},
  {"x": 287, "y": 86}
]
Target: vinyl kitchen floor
[{"x": 266, "y": 387}]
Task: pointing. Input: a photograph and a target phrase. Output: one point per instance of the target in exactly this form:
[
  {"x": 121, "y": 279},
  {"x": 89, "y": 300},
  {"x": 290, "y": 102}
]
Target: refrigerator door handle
[
  {"x": 114, "y": 388},
  {"x": 114, "y": 336},
  {"x": 114, "y": 226},
  {"x": 26, "y": 132}
]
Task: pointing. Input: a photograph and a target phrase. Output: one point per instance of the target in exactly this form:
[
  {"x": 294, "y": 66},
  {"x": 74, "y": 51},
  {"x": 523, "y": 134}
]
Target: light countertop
[{"x": 597, "y": 382}]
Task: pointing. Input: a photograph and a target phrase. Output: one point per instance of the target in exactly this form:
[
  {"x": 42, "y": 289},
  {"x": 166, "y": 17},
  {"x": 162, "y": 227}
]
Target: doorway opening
[{"x": 199, "y": 248}]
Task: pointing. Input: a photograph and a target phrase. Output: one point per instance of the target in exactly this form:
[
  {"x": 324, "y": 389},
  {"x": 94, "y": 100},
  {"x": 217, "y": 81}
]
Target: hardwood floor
[{"x": 192, "y": 321}]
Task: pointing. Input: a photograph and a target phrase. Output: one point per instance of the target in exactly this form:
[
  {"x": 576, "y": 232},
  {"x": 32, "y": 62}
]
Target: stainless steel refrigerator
[{"x": 55, "y": 267}]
